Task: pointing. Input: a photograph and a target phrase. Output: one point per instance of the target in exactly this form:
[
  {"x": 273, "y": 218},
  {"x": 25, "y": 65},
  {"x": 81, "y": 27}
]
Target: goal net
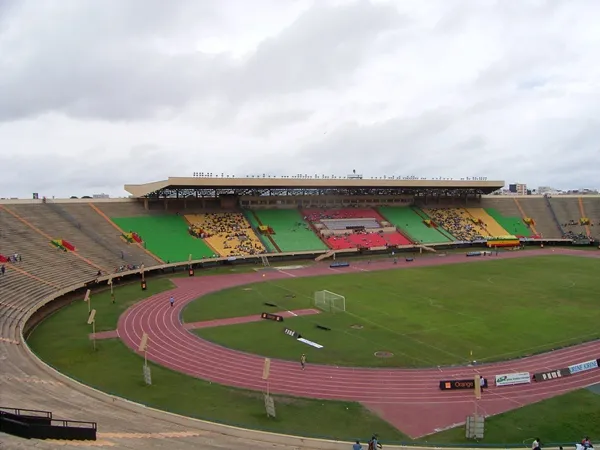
[{"x": 330, "y": 301}]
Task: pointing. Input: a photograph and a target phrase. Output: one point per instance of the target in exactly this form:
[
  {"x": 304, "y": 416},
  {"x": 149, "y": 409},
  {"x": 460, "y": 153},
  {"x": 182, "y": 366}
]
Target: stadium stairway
[
  {"x": 537, "y": 208},
  {"x": 166, "y": 236},
  {"x": 412, "y": 224},
  {"x": 523, "y": 215},
  {"x": 292, "y": 232},
  {"x": 566, "y": 209},
  {"x": 584, "y": 215},
  {"x": 39, "y": 258},
  {"x": 491, "y": 227},
  {"x": 592, "y": 209},
  {"x": 223, "y": 230},
  {"x": 266, "y": 240}
]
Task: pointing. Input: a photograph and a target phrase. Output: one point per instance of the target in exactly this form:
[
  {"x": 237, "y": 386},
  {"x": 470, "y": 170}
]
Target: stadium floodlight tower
[{"x": 330, "y": 301}]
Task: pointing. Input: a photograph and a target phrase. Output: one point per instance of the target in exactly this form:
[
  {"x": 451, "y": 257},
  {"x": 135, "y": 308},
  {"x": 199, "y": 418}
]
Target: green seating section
[
  {"x": 265, "y": 240},
  {"x": 409, "y": 222},
  {"x": 514, "y": 225},
  {"x": 166, "y": 236},
  {"x": 292, "y": 233}
]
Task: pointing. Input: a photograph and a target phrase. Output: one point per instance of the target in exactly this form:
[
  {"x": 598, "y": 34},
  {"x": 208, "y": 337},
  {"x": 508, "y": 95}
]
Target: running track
[{"x": 409, "y": 399}]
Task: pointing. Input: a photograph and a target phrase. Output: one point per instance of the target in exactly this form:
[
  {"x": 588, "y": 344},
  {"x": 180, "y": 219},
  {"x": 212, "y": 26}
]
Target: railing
[
  {"x": 26, "y": 414},
  {"x": 34, "y": 424}
]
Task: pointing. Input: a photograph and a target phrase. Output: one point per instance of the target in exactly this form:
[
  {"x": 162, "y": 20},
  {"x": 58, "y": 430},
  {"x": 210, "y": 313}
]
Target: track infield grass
[
  {"x": 62, "y": 341},
  {"x": 429, "y": 316}
]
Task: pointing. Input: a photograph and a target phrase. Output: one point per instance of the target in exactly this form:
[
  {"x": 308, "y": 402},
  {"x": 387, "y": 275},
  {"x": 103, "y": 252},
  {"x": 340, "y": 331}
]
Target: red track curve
[{"x": 409, "y": 399}]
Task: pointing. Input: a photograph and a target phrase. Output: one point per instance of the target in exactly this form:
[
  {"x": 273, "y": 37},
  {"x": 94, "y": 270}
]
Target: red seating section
[
  {"x": 355, "y": 240},
  {"x": 3, "y": 259}
]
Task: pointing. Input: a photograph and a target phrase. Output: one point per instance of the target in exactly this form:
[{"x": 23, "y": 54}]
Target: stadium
[{"x": 300, "y": 312}]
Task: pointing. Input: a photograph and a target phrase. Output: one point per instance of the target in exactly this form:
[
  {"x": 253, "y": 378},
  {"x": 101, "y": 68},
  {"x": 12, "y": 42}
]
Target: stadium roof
[{"x": 191, "y": 184}]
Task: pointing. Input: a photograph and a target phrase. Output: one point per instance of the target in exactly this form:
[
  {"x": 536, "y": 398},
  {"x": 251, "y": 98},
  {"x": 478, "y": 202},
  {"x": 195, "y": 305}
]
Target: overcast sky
[{"x": 97, "y": 94}]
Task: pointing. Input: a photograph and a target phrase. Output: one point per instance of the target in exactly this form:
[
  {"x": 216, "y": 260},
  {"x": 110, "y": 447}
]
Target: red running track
[{"x": 409, "y": 399}]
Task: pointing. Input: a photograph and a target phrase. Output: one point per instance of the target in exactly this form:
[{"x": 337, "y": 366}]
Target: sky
[{"x": 98, "y": 94}]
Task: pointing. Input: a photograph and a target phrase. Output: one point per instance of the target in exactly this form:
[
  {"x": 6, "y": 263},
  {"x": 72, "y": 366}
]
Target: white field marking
[{"x": 292, "y": 313}]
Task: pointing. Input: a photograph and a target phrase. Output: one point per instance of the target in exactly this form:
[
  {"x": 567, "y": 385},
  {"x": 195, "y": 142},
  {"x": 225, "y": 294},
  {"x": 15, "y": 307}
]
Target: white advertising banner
[
  {"x": 510, "y": 379},
  {"x": 582, "y": 367}
]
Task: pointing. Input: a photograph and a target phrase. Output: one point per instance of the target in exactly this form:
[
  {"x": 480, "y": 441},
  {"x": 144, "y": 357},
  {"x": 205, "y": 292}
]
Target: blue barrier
[
  {"x": 410, "y": 259},
  {"x": 339, "y": 264},
  {"x": 474, "y": 254}
]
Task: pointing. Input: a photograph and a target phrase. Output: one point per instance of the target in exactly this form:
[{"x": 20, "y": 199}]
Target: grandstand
[
  {"x": 227, "y": 233},
  {"x": 412, "y": 224},
  {"x": 354, "y": 228},
  {"x": 290, "y": 232}
]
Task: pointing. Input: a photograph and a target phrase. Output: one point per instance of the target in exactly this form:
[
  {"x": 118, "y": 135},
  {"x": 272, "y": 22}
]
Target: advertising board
[{"x": 511, "y": 379}]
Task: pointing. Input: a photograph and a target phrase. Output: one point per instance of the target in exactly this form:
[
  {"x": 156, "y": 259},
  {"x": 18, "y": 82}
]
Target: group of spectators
[
  {"x": 234, "y": 231},
  {"x": 13, "y": 259},
  {"x": 574, "y": 234},
  {"x": 457, "y": 223}
]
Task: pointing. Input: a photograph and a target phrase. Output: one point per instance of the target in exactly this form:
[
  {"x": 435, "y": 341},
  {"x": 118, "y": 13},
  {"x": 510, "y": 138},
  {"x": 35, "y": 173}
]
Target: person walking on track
[
  {"x": 172, "y": 301},
  {"x": 303, "y": 361}
]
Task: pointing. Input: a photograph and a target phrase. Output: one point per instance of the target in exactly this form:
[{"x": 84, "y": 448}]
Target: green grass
[
  {"x": 62, "y": 341},
  {"x": 425, "y": 316},
  {"x": 563, "y": 419}
]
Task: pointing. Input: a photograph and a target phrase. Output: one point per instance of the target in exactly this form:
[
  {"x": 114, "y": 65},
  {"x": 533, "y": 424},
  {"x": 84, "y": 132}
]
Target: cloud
[{"x": 94, "y": 96}]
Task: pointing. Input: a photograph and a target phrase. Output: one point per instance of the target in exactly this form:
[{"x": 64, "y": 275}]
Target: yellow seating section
[
  {"x": 491, "y": 227},
  {"x": 457, "y": 222},
  {"x": 229, "y": 234}
]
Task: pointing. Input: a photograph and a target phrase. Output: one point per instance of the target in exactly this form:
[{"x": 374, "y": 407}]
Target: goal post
[{"x": 330, "y": 301}]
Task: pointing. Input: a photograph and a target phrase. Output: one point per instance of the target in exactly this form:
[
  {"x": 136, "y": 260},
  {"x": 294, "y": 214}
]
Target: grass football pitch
[{"x": 441, "y": 315}]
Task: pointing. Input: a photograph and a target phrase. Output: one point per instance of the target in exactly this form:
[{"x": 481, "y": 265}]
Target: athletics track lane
[{"x": 409, "y": 399}]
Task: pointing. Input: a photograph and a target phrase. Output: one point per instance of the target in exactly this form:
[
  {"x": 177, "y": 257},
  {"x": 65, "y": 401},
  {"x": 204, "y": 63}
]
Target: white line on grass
[{"x": 354, "y": 335}]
